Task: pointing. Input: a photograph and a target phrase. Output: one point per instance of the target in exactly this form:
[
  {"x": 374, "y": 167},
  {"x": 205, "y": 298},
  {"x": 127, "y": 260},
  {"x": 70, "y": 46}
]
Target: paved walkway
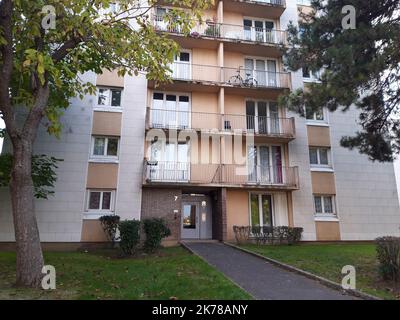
[{"x": 261, "y": 279}]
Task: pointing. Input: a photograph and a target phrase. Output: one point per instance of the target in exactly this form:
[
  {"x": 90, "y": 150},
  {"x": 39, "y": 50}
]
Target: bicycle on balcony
[{"x": 238, "y": 80}]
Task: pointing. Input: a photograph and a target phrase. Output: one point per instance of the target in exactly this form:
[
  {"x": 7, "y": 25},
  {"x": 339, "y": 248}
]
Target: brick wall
[
  {"x": 161, "y": 203},
  {"x": 219, "y": 215}
]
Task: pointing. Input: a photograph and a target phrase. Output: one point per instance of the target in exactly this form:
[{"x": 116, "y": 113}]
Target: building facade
[{"x": 212, "y": 149}]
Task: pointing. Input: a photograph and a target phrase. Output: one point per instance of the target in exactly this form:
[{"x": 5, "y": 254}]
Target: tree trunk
[{"x": 29, "y": 251}]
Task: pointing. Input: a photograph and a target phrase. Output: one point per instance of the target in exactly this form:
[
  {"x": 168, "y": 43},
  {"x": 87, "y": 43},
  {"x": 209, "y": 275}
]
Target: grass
[
  {"x": 172, "y": 273},
  {"x": 327, "y": 260}
]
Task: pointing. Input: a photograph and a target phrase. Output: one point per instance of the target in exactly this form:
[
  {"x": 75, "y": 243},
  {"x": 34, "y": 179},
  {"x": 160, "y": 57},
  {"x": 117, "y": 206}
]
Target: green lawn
[
  {"x": 172, "y": 273},
  {"x": 327, "y": 260}
]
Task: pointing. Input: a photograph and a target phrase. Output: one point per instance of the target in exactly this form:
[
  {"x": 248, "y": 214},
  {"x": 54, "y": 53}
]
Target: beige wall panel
[
  {"x": 327, "y": 230},
  {"x": 102, "y": 176},
  {"x": 237, "y": 210},
  {"x": 318, "y": 136},
  {"x": 233, "y": 59},
  {"x": 92, "y": 231},
  {"x": 106, "y": 123},
  {"x": 323, "y": 182},
  {"x": 205, "y": 62},
  {"x": 233, "y": 18},
  {"x": 204, "y": 110},
  {"x": 109, "y": 79}
]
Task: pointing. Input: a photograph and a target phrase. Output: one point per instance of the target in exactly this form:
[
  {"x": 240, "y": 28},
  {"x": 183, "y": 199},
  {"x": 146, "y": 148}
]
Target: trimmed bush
[
  {"x": 155, "y": 229},
  {"x": 263, "y": 235},
  {"x": 130, "y": 236},
  {"x": 242, "y": 234},
  {"x": 388, "y": 254},
  {"x": 110, "y": 226}
]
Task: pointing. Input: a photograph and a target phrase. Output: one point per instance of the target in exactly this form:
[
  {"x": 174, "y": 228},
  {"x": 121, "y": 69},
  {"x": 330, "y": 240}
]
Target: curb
[
  {"x": 324, "y": 281},
  {"x": 229, "y": 279}
]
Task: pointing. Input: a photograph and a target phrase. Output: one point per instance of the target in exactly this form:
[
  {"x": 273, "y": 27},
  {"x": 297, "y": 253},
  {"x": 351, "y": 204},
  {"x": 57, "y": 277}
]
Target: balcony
[
  {"x": 188, "y": 77},
  {"x": 237, "y": 37},
  {"x": 227, "y": 175},
  {"x": 269, "y": 9},
  {"x": 276, "y": 128}
]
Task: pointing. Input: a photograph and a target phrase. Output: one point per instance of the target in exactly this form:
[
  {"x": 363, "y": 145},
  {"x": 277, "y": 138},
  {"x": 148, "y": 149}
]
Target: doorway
[{"x": 196, "y": 221}]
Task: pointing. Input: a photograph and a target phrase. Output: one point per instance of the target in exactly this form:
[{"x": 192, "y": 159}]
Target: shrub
[
  {"x": 294, "y": 235},
  {"x": 155, "y": 230},
  {"x": 242, "y": 234},
  {"x": 110, "y": 226},
  {"x": 388, "y": 254},
  {"x": 130, "y": 236},
  {"x": 263, "y": 235}
]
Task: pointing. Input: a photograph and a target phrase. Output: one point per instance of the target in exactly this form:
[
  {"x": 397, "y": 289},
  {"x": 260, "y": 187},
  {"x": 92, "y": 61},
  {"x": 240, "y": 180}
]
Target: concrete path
[{"x": 263, "y": 280}]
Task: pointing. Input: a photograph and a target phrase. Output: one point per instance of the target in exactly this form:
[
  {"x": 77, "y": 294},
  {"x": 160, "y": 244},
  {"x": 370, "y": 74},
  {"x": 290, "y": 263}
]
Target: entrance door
[{"x": 190, "y": 220}]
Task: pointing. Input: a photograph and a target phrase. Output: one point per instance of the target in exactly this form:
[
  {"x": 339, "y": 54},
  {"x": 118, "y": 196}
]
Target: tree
[
  {"x": 39, "y": 73},
  {"x": 44, "y": 175},
  {"x": 360, "y": 67}
]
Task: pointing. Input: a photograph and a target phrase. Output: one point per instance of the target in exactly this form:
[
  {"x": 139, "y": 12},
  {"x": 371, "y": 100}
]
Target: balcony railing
[
  {"x": 259, "y": 125},
  {"x": 220, "y": 174},
  {"x": 238, "y": 77},
  {"x": 280, "y": 3},
  {"x": 226, "y": 31}
]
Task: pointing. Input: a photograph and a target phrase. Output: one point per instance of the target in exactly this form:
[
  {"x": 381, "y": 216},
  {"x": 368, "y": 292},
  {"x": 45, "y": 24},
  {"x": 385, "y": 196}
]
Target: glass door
[
  {"x": 252, "y": 164},
  {"x": 183, "y": 112},
  {"x": 190, "y": 220},
  {"x": 269, "y": 32},
  {"x": 274, "y": 118},
  {"x": 277, "y": 164},
  {"x": 260, "y": 73},
  {"x": 259, "y": 31},
  {"x": 160, "y": 23},
  {"x": 264, "y": 165},
  {"x": 262, "y": 119},
  {"x": 182, "y": 67},
  {"x": 250, "y": 116},
  {"x": 271, "y": 67}
]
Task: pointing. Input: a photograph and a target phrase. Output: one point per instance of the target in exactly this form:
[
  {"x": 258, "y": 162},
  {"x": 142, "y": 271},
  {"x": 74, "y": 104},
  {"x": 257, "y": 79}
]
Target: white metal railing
[
  {"x": 227, "y": 31},
  {"x": 230, "y": 76}
]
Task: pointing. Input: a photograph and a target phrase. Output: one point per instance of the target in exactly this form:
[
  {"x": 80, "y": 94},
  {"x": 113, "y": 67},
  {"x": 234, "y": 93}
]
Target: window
[
  {"x": 304, "y": 2},
  {"x": 320, "y": 156},
  {"x": 261, "y": 210},
  {"x": 324, "y": 205},
  {"x": 170, "y": 111},
  {"x": 105, "y": 147},
  {"x": 101, "y": 200},
  {"x": 317, "y": 115},
  {"x": 309, "y": 75},
  {"x": 109, "y": 97}
]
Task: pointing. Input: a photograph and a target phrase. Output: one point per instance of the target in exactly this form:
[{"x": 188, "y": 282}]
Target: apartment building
[{"x": 212, "y": 149}]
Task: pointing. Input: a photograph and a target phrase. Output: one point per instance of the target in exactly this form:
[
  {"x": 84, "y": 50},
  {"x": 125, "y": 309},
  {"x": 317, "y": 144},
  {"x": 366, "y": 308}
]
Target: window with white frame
[
  {"x": 109, "y": 97},
  {"x": 320, "y": 157},
  {"x": 261, "y": 214},
  {"x": 304, "y": 2},
  {"x": 100, "y": 201},
  {"x": 324, "y": 205},
  {"x": 309, "y": 75},
  {"x": 317, "y": 115},
  {"x": 105, "y": 147}
]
